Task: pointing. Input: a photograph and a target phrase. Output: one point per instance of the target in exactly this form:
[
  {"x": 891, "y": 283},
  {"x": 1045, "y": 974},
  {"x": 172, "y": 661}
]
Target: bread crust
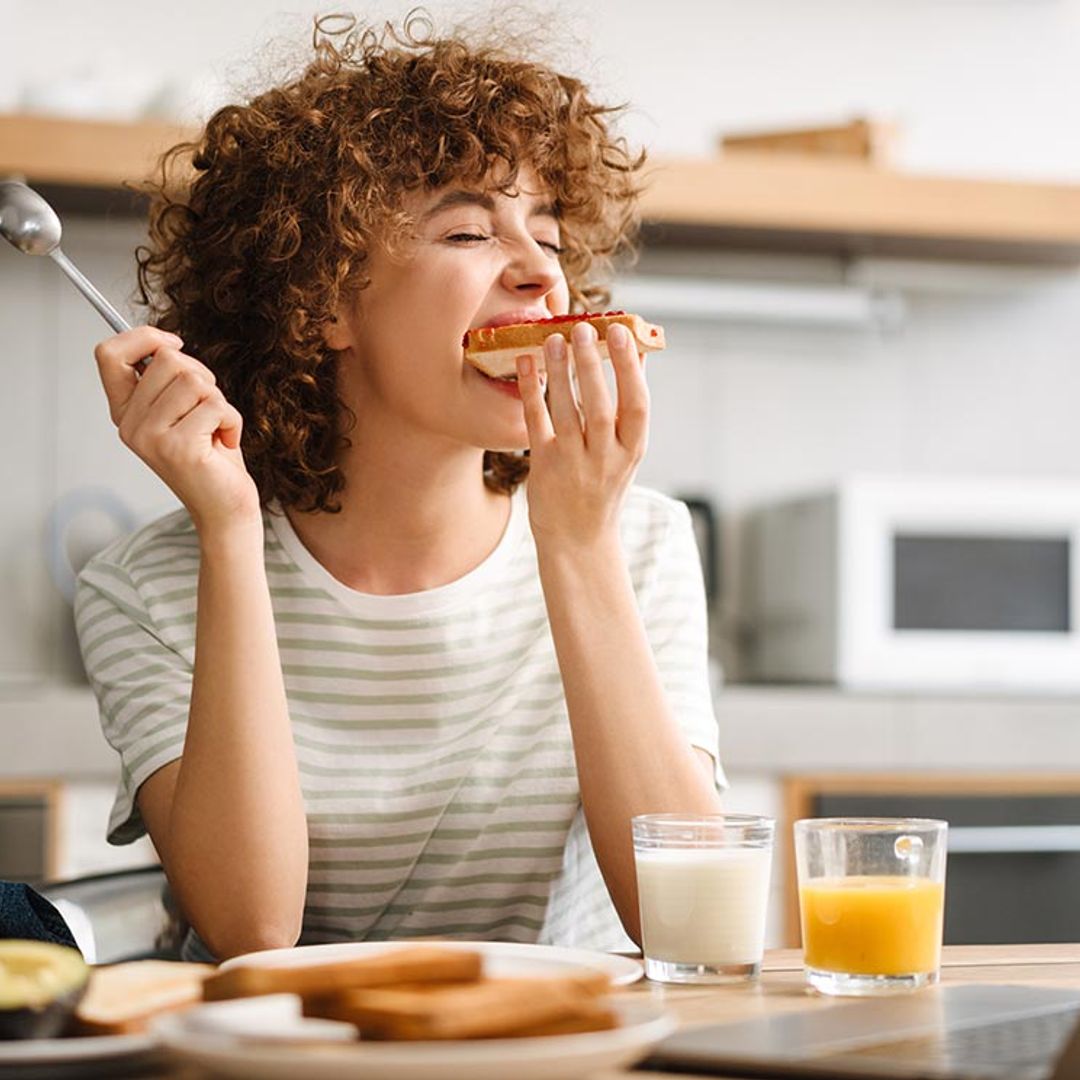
[
  {"x": 495, "y": 349},
  {"x": 422, "y": 963}
]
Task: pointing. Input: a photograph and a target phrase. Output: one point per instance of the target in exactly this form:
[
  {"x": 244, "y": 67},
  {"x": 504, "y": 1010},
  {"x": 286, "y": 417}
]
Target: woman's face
[{"x": 478, "y": 258}]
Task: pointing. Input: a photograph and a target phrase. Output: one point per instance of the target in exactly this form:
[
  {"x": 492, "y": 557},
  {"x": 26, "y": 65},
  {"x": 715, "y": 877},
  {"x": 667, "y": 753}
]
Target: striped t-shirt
[{"x": 431, "y": 729}]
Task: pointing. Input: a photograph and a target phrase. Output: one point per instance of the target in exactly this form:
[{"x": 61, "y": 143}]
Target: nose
[{"x": 532, "y": 269}]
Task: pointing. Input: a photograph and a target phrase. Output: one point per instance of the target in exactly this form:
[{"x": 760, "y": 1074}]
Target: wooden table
[{"x": 782, "y": 989}]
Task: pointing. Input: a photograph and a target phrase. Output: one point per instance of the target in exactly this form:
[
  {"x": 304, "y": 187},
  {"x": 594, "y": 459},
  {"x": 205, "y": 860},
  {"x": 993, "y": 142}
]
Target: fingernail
[
  {"x": 555, "y": 346},
  {"x": 618, "y": 336},
  {"x": 583, "y": 334},
  {"x": 524, "y": 366}
]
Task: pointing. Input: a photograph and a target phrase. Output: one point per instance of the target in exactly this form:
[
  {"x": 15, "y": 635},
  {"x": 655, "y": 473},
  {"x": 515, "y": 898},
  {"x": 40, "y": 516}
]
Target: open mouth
[{"x": 507, "y": 384}]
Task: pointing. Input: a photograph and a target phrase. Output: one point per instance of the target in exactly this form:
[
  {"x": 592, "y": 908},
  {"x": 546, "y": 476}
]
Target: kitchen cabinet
[
  {"x": 1013, "y": 837},
  {"x": 30, "y": 834},
  {"x": 783, "y": 748},
  {"x": 57, "y": 785},
  {"x": 739, "y": 201},
  {"x": 54, "y": 829}
]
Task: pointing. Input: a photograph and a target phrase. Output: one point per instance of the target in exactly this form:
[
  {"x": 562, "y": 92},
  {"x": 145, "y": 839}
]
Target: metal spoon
[{"x": 29, "y": 223}]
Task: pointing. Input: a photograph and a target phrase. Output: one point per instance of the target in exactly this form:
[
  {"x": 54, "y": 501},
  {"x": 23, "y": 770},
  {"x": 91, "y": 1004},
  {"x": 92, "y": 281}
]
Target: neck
[{"x": 409, "y": 521}]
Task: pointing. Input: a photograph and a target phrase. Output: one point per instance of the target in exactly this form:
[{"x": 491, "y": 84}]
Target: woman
[{"x": 369, "y": 683}]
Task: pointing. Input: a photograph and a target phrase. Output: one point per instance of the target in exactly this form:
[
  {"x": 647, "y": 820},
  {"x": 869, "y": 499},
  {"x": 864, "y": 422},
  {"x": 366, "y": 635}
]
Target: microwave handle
[{"x": 1014, "y": 839}]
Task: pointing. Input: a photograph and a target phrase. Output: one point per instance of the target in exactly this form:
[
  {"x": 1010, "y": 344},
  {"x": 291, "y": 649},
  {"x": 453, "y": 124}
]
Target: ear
[{"x": 337, "y": 333}]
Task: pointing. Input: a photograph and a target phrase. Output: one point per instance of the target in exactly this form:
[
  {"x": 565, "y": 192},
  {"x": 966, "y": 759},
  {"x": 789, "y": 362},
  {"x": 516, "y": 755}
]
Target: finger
[
  {"x": 632, "y": 415},
  {"x": 565, "y": 418},
  {"x": 117, "y": 359},
  {"x": 537, "y": 420},
  {"x": 213, "y": 416},
  {"x": 231, "y": 428},
  {"x": 186, "y": 391},
  {"x": 596, "y": 404},
  {"x": 142, "y": 410},
  {"x": 168, "y": 361}
]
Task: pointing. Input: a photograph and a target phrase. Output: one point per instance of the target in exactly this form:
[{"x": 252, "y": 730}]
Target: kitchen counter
[
  {"x": 774, "y": 730},
  {"x": 53, "y": 731},
  {"x": 781, "y": 989}
]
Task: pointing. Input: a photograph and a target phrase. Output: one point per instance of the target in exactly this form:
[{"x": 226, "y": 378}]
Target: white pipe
[
  {"x": 728, "y": 301},
  {"x": 1014, "y": 839}
]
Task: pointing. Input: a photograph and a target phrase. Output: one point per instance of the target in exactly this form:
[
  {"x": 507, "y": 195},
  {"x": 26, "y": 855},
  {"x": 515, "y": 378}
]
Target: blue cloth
[{"x": 25, "y": 913}]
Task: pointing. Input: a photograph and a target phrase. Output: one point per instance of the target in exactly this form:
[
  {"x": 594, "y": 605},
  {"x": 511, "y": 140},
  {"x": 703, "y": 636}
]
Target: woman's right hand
[{"x": 177, "y": 420}]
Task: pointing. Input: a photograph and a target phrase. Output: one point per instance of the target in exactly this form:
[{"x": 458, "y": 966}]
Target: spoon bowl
[{"x": 27, "y": 221}]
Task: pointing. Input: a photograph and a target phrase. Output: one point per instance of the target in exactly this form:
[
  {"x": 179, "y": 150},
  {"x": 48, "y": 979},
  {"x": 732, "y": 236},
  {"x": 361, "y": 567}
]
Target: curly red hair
[{"x": 282, "y": 199}]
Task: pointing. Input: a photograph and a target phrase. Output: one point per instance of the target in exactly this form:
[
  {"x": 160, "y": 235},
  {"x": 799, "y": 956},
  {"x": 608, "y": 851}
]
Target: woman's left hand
[{"x": 582, "y": 459}]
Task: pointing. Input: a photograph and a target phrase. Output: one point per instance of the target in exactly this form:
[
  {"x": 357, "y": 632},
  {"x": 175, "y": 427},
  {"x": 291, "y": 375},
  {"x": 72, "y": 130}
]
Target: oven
[{"x": 1013, "y": 872}]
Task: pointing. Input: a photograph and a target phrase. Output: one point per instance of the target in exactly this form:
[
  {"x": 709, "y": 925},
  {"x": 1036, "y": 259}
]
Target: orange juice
[{"x": 879, "y": 925}]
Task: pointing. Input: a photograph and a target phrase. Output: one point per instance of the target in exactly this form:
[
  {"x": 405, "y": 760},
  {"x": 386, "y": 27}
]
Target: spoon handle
[{"x": 87, "y": 288}]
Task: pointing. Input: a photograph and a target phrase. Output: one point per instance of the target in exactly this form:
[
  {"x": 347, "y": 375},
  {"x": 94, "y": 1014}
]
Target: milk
[{"x": 703, "y": 905}]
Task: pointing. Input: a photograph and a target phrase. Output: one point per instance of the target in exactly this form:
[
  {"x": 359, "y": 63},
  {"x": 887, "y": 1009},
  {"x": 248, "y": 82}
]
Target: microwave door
[{"x": 981, "y": 584}]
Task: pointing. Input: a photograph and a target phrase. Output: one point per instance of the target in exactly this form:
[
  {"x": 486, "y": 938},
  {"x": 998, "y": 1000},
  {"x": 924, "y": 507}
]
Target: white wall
[
  {"x": 986, "y": 86},
  {"x": 982, "y": 378},
  {"x": 57, "y": 441}
]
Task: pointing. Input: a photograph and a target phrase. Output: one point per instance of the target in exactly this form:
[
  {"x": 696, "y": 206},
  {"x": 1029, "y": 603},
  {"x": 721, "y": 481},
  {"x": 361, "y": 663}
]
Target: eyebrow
[{"x": 459, "y": 197}]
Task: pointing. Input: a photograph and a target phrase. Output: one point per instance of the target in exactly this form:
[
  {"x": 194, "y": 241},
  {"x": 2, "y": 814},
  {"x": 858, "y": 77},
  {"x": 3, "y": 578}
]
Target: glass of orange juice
[{"x": 871, "y": 902}]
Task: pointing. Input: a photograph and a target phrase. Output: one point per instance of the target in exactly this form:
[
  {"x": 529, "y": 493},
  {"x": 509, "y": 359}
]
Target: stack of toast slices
[
  {"x": 425, "y": 992},
  {"x": 413, "y": 992}
]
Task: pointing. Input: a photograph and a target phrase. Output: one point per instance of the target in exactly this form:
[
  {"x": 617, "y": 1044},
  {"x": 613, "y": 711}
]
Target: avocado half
[{"x": 40, "y": 985}]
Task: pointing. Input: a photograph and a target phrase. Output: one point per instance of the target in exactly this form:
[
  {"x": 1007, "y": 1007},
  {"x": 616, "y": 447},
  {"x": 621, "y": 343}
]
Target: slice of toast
[
  {"x": 492, "y": 1008},
  {"x": 413, "y": 964},
  {"x": 588, "y": 1017},
  {"x": 495, "y": 349},
  {"x": 122, "y": 998}
]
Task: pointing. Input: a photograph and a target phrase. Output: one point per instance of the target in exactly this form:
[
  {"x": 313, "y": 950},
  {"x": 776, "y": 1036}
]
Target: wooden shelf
[
  {"x": 790, "y": 203},
  {"x": 739, "y": 201},
  {"x": 81, "y": 153}
]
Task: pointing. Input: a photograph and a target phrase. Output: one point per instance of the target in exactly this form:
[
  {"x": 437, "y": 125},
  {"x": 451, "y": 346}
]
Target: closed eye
[{"x": 473, "y": 238}]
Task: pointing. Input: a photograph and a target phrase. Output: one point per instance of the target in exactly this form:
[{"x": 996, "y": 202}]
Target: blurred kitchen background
[{"x": 885, "y": 299}]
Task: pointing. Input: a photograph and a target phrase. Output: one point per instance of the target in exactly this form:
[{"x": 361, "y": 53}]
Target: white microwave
[{"x": 889, "y": 582}]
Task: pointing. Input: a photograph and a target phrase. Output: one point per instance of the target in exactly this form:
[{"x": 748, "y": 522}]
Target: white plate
[
  {"x": 502, "y": 959},
  {"x": 71, "y": 1057},
  {"x": 257, "y": 1037}
]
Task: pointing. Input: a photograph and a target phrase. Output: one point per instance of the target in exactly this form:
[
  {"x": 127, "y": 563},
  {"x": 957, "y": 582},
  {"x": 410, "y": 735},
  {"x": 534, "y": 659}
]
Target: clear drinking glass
[
  {"x": 871, "y": 902},
  {"x": 703, "y": 892}
]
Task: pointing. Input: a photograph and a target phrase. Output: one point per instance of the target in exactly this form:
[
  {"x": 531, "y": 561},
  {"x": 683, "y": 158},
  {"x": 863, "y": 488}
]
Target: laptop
[{"x": 948, "y": 1033}]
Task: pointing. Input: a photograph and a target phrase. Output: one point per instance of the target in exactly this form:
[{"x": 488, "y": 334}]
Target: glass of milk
[{"x": 703, "y": 893}]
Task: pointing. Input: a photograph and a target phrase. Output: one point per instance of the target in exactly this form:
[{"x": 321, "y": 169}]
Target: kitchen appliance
[
  {"x": 904, "y": 582},
  {"x": 707, "y": 537},
  {"x": 1013, "y": 846}
]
